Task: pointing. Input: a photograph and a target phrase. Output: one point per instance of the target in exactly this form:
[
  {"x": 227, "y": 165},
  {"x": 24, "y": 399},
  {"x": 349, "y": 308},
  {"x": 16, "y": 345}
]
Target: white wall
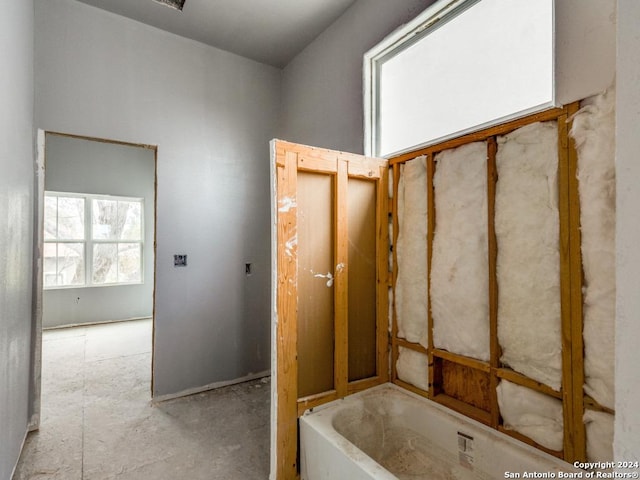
[
  {"x": 211, "y": 113},
  {"x": 86, "y": 166},
  {"x": 16, "y": 189},
  {"x": 627, "y": 428},
  {"x": 322, "y": 86}
]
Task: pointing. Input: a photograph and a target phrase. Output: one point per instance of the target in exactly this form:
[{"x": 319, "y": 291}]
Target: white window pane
[
  {"x": 129, "y": 262},
  {"x": 493, "y": 61},
  {"x": 105, "y": 219},
  {"x": 70, "y": 218},
  {"x": 63, "y": 264},
  {"x": 50, "y": 264},
  {"x": 105, "y": 263},
  {"x": 130, "y": 219},
  {"x": 70, "y": 264},
  {"x": 50, "y": 217}
]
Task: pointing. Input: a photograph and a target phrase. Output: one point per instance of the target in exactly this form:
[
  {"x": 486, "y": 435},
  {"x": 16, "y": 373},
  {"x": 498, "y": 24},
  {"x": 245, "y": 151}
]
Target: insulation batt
[
  {"x": 599, "y": 426},
  {"x": 531, "y": 413},
  {"x": 594, "y": 133},
  {"x": 413, "y": 367},
  {"x": 459, "y": 264},
  {"x": 528, "y": 268},
  {"x": 411, "y": 252}
]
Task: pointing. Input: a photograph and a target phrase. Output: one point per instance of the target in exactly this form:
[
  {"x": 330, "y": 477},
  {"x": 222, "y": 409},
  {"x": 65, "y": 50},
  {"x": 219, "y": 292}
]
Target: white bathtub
[{"x": 389, "y": 433}]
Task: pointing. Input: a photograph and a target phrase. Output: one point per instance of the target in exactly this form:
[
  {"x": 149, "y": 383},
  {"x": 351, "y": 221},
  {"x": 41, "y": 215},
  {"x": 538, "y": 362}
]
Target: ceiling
[{"x": 269, "y": 31}]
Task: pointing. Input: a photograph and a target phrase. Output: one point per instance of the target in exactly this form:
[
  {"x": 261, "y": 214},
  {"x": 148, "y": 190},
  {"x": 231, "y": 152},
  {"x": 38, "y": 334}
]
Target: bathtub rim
[{"x": 323, "y": 423}]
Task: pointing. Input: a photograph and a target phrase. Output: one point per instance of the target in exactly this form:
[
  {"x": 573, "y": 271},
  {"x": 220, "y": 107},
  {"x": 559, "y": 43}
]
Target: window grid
[{"x": 114, "y": 273}]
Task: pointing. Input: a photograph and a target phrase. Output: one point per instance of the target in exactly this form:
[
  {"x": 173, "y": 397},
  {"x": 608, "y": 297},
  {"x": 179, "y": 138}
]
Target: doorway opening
[{"x": 94, "y": 248}]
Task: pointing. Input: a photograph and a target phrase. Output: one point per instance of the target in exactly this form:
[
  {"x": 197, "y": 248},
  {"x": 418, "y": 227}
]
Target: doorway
[{"x": 94, "y": 245}]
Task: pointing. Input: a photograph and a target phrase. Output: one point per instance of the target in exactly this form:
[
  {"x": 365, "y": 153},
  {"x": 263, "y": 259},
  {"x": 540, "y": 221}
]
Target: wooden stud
[
  {"x": 575, "y": 268},
  {"x": 382, "y": 290},
  {"x": 431, "y": 226},
  {"x": 286, "y": 305},
  {"x": 394, "y": 274},
  {"x": 494, "y": 346},
  {"x": 341, "y": 281},
  {"x": 565, "y": 288}
]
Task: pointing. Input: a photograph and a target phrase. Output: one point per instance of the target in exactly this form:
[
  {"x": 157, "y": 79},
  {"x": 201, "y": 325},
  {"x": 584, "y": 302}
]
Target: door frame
[{"x": 35, "y": 374}]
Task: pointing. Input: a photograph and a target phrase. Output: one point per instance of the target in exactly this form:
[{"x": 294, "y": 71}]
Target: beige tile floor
[{"x": 98, "y": 422}]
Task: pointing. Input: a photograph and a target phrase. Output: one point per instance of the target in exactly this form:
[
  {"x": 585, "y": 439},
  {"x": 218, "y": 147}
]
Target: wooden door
[{"x": 331, "y": 284}]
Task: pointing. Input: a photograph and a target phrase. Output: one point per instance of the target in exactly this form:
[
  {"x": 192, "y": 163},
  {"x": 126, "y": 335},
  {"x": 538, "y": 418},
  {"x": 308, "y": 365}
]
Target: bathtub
[{"x": 388, "y": 433}]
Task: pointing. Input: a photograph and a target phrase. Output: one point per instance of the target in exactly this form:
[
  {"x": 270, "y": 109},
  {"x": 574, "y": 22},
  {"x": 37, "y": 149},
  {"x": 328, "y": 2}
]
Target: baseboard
[
  {"x": 211, "y": 386},
  {"x": 89, "y": 324}
]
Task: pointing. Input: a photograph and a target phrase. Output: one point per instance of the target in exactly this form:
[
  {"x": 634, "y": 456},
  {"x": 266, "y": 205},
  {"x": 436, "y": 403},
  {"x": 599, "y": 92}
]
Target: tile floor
[{"x": 98, "y": 422}]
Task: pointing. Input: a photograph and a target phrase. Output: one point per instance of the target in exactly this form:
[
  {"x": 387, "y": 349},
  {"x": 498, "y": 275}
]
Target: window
[
  {"x": 460, "y": 66},
  {"x": 92, "y": 240}
]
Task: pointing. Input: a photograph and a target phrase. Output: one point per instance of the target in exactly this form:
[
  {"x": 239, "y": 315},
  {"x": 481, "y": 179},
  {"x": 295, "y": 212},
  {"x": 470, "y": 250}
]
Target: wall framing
[
  {"x": 470, "y": 370},
  {"x": 461, "y": 383}
]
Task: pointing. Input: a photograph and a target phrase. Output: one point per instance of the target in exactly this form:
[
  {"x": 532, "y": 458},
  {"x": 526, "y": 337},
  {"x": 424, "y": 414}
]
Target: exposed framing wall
[
  {"x": 465, "y": 384},
  {"x": 468, "y": 385},
  {"x": 299, "y": 206}
]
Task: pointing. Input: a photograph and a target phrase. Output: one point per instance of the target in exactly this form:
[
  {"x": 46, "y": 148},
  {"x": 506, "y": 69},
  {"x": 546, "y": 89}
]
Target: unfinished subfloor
[{"x": 98, "y": 422}]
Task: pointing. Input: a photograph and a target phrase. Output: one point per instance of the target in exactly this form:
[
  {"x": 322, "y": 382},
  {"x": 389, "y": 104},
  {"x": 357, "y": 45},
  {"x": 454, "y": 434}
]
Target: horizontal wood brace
[
  {"x": 462, "y": 360},
  {"x": 482, "y": 135},
  {"x": 524, "y": 381},
  {"x": 528, "y": 441},
  {"x": 401, "y": 342},
  {"x": 591, "y": 404},
  {"x": 464, "y": 408},
  {"x": 312, "y": 401}
]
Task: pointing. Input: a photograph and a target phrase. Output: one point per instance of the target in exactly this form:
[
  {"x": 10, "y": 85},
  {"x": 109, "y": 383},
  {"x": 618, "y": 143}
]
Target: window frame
[
  {"x": 434, "y": 17},
  {"x": 89, "y": 242}
]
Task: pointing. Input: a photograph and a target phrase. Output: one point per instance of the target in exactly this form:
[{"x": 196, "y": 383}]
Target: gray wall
[
  {"x": 16, "y": 200},
  {"x": 86, "y": 166},
  {"x": 211, "y": 114},
  {"x": 322, "y": 86},
  {"x": 627, "y": 431}
]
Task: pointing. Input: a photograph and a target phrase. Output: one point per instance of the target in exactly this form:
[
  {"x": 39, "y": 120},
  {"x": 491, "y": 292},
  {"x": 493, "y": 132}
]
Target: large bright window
[
  {"x": 92, "y": 240},
  {"x": 460, "y": 66}
]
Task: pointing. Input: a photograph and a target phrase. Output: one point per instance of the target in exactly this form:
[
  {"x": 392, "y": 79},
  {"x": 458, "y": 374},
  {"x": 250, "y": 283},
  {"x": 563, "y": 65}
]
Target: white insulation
[
  {"x": 594, "y": 133},
  {"x": 599, "y": 426},
  {"x": 531, "y": 413},
  {"x": 459, "y": 262},
  {"x": 413, "y": 367},
  {"x": 411, "y": 252},
  {"x": 528, "y": 269}
]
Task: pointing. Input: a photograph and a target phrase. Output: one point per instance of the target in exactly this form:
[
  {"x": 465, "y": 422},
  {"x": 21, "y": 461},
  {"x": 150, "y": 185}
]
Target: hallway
[{"x": 98, "y": 423}]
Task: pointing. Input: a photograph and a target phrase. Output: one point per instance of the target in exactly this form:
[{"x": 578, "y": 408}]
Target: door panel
[{"x": 315, "y": 283}]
